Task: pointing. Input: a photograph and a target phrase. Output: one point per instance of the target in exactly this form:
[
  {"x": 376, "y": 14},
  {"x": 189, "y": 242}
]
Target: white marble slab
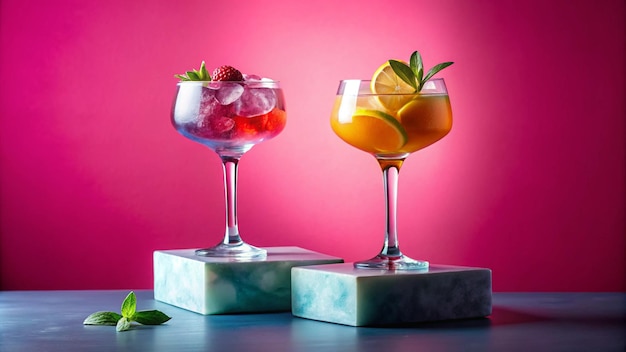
[
  {"x": 340, "y": 293},
  {"x": 208, "y": 285}
]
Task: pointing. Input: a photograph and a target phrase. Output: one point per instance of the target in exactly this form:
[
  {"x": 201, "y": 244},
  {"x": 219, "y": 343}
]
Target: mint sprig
[
  {"x": 413, "y": 74},
  {"x": 195, "y": 75},
  {"x": 123, "y": 322}
]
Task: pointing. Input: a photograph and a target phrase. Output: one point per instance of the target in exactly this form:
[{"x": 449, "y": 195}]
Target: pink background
[{"x": 529, "y": 183}]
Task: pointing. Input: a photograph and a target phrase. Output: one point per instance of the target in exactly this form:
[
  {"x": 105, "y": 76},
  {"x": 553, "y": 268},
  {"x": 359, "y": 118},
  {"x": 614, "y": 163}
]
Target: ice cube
[
  {"x": 247, "y": 77},
  {"x": 208, "y": 103},
  {"x": 228, "y": 93},
  {"x": 210, "y": 106},
  {"x": 255, "y": 102},
  {"x": 256, "y": 81},
  {"x": 214, "y": 127},
  {"x": 221, "y": 125}
]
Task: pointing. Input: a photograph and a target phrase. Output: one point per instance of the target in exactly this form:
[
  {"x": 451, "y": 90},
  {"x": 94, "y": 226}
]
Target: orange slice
[
  {"x": 394, "y": 91},
  {"x": 372, "y": 131},
  {"x": 426, "y": 114},
  {"x": 427, "y": 118}
]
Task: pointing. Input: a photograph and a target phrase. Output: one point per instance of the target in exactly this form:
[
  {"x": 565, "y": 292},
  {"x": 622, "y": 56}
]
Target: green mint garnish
[
  {"x": 195, "y": 75},
  {"x": 129, "y": 306},
  {"x": 102, "y": 318},
  {"x": 151, "y": 317},
  {"x": 413, "y": 74},
  {"x": 123, "y": 324},
  {"x": 129, "y": 314}
]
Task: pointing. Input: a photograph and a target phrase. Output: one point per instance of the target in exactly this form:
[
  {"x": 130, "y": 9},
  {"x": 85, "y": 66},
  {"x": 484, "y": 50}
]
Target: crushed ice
[
  {"x": 255, "y": 102},
  {"x": 228, "y": 93}
]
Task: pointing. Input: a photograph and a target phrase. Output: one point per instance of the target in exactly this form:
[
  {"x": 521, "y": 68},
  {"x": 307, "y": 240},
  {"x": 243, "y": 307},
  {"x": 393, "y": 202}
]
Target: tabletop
[{"x": 52, "y": 321}]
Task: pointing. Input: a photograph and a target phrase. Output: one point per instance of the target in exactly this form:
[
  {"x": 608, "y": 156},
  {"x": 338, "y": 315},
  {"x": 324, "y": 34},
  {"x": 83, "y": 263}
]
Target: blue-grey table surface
[{"x": 52, "y": 321}]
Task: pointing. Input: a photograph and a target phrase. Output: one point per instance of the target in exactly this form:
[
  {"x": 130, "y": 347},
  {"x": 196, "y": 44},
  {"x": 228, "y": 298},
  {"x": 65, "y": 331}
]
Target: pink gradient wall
[{"x": 529, "y": 183}]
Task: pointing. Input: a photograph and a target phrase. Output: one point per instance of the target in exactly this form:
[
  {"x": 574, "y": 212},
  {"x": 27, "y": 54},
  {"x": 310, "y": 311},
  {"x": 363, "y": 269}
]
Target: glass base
[
  {"x": 235, "y": 251},
  {"x": 401, "y": 262}
]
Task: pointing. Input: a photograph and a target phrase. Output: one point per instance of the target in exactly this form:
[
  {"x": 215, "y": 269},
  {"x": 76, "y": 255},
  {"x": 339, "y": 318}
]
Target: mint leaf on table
[
  {"x": 129, "y": 306},
  {"x": 123, "y": 322},
  {"x": 151, "y": 317},
  {"x": 102, "y": 318}
]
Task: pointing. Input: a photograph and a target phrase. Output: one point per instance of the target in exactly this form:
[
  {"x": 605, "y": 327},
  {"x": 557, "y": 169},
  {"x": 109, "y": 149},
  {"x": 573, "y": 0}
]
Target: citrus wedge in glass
[
  {"x": 372, "y": 131},
  {"x": 427, "y": 118},
  {"x": 394, "y": 91}
]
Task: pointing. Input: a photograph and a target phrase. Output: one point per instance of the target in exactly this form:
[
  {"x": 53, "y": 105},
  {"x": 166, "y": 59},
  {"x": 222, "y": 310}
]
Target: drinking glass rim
[
  {"x": 362, "y": 87},
  {"x": 369, "y": 80},
  {"x": 242, "y": 82}
]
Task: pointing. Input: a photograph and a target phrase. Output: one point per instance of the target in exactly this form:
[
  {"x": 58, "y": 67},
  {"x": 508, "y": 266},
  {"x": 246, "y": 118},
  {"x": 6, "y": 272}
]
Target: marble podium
[
  {"x": 209, "y": 285},
  {"x": 339, "y": 293}
]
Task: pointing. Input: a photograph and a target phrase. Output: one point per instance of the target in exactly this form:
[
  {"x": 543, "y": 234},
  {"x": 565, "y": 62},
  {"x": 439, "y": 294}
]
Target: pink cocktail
[{"x": 229, "y": 117}]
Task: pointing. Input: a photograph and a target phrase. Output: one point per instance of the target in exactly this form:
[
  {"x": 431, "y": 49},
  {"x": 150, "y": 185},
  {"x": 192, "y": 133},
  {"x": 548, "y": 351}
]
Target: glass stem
[
  {"x": 230, "y": 164},
  {"x": 391, "y": 247}
]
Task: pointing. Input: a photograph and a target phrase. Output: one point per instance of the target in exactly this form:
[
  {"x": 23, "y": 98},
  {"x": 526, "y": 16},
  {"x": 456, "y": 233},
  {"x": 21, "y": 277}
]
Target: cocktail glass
[
  {"x": 230, "y": 117},
  {"x": 391, "y": 127}
]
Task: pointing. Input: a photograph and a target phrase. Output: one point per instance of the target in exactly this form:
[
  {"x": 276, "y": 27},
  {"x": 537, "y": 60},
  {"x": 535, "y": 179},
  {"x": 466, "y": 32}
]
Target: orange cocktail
[
  {"x": 399, "y": 111},
  {"x": 388, "y": 125}
]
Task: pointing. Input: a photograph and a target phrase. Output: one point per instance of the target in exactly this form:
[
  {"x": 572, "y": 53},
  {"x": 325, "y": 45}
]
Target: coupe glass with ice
[
  {"x": 229, "y": 113},
  {"x": 401, "y": 110}
]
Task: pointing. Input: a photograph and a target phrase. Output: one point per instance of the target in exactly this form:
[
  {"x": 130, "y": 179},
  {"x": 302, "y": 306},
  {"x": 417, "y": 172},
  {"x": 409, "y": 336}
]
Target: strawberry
[
  {"x": 226, "y": 73},
  {"x": 275, "y": 121}
]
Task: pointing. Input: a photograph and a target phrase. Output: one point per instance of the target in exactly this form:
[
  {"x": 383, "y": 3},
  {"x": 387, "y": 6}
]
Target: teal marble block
[
  {"x": 220, "y": 285},
  {"x": 342, "y": 294}
]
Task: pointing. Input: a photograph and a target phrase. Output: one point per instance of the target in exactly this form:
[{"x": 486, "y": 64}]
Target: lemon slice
[
  {"x": 372, "y": 131},
  {"x": 396, "y": 92}
]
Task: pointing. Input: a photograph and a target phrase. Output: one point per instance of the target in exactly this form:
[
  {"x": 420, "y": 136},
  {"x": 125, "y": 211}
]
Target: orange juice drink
[{"x": 391, "y": 124}]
